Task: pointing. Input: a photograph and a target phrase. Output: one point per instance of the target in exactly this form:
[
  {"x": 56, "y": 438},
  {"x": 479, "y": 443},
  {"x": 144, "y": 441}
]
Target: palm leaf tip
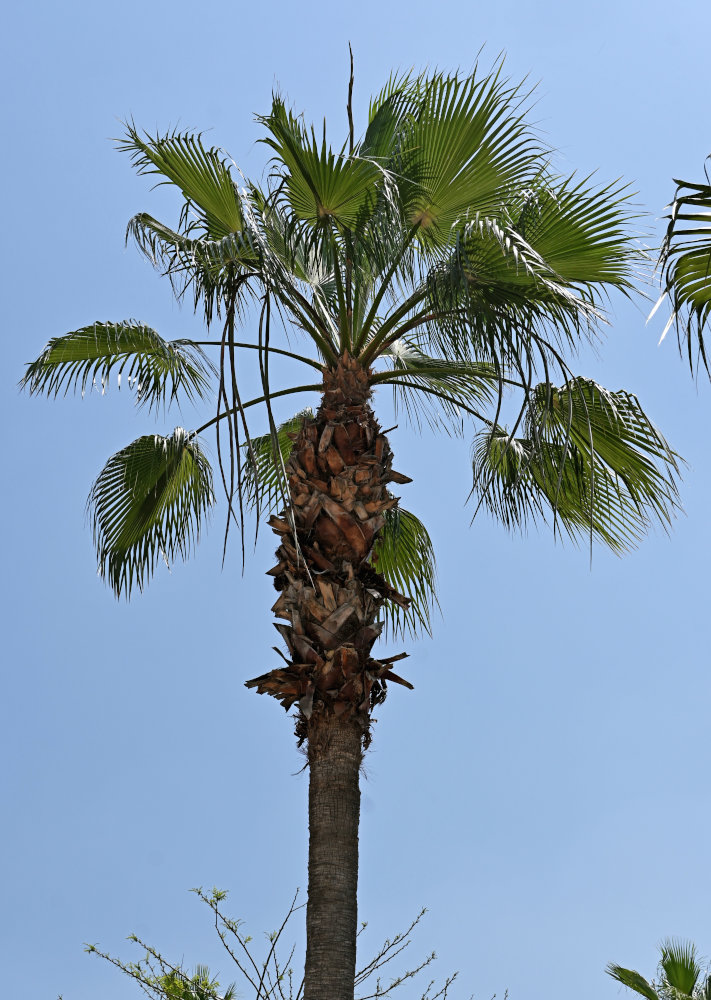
[
  {"x": 149, "y": 503},
  {"x": 160, "y": 370},
  {"x": 632, "y": 980},
  {"x": 404, "y": 555}
]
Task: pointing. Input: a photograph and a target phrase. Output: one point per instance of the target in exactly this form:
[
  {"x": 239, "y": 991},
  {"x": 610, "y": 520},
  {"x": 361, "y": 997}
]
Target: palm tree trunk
[{"x": 334, "y": 754}]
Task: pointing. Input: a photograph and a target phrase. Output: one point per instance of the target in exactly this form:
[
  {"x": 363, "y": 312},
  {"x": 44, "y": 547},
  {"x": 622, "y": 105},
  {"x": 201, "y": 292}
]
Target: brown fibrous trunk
[{"x": 330, "y": 594}]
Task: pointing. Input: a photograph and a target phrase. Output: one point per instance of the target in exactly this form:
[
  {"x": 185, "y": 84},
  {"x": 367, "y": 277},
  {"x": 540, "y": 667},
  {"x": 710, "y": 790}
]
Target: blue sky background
[{"x": 544, "y": 790}]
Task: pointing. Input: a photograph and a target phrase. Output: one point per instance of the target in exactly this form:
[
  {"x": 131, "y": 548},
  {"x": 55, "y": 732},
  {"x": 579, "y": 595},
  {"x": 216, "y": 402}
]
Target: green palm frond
[
  {"x": 632, "y": 980},
  {"x": 147, "y": 504},
  {"x": 440, "y": 243},
  {"x": 403, "y": 553},
  {"x": 590, "y": 458},
  {"x": 516, "y": 289},
  {"x": 212, "y": 270},
  {"x": 159, "y": 369},
  {"x": 306, "y": 261},
  {"x": 458, "y": 146},
  {"x": 679, "y": 963},
  {"x": 685, "y": 260},
  {"x": 202, "y": 174},
  {"x": 174, "y": 251},
  {"x": 442, "y": 391},
  {"x": 579, "y": 231},
  {"x": 321, "y": 184}
]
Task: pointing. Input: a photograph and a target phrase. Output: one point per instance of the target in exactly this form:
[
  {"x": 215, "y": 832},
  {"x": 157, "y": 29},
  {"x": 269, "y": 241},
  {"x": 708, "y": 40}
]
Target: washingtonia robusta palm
[{"x": 438, "y": 255}]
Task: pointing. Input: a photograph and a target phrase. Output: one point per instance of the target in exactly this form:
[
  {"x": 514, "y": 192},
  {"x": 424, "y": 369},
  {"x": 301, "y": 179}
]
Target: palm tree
[
  {"x": 438, "y": 255},
  {"x": 685, "y": 262},
  {"x": 680, "y": 976}
]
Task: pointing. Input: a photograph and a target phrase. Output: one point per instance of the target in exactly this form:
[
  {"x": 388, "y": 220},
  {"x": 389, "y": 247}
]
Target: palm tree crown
[{"x": 440, "y": 253}]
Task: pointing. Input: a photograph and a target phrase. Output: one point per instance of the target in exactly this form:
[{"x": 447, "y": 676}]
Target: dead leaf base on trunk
[{"x": 329, "y": 593}]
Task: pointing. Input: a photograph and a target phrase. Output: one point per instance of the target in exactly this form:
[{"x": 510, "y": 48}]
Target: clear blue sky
[{"x": 544, "y": 790}]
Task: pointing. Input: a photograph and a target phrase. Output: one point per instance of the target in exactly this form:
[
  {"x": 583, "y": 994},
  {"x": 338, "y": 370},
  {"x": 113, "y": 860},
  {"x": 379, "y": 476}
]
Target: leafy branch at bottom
[{"x": 269, "y": 976}]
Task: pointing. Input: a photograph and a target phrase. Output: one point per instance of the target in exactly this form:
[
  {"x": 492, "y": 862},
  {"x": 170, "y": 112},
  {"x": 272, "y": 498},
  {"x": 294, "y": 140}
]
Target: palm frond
[
  {"x": 581, "y": 232},
  {"x": 175, "y": 251},
  {"x": 159, "y": 369},
  {"x": 679, "y": 963},
  {"x": 632, "y": 980},
  {"x": 202, "y": 174},
  {"x": 458, "y": 145},
  {"x": 590, "y": 458},
  {"x": 306, "y": 261},
  {"x": 320, "y": 184},
  {"x": 494, "y": 294},
  {"x": 212, "y": 270},
  {"x": 519, "y": 288},
  {"x": 383, "y": 107},
  {"x": 685, "y": 260},
  {"x": 403, "y": 553},
  {"x": 148, "y": 503}
]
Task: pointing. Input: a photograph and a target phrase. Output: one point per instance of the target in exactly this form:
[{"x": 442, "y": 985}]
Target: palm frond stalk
[{"x": 439, "y": 257}]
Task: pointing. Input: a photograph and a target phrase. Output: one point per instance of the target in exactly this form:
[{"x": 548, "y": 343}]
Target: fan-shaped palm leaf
[
  {"x": 679, "y": 975},
  {"x": 321, "y": 185},
  {"x": 175, "y": 252},
  {"x": 203, "y": 175},
  {"x": 148, "y": 503},
  {"x": 590, "y": 457},
  {"x": 517, "y": 288},
  {"x": 679, "y": 963},
  {"x": 579, "y": 231},
  {"x": 159, "y": 369},
  {"x": 457, "y": 145},
  {"x": 178, "y": 985},
  {"x": 686, "y": 267},
  {"x": 214, "y": 270}
]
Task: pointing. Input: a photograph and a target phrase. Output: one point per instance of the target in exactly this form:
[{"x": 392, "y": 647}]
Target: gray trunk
[{"x": 334, "y": 753}]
